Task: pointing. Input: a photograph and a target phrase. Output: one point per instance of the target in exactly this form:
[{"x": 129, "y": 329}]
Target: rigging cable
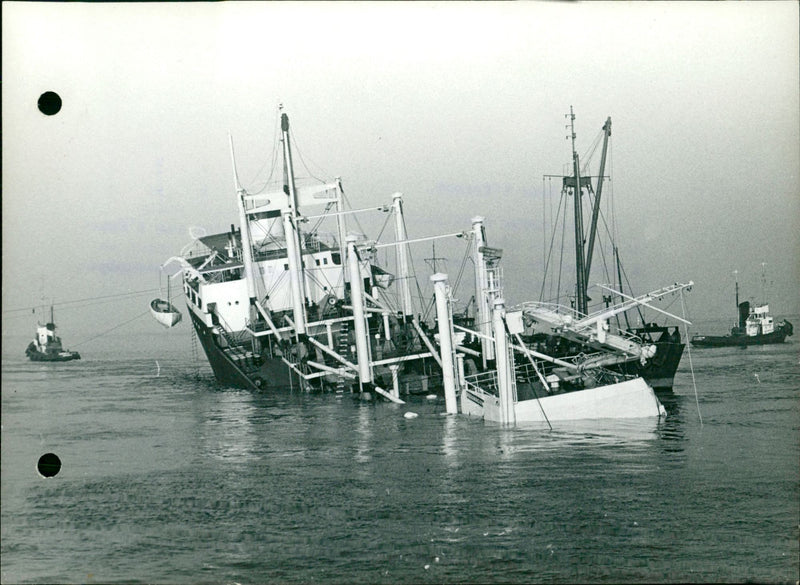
[
  {"x": 689, "y": 353},
  {"x": 544, "y": 233},
  {"x": 275, "y": 140},
  {"x": 113, "y": 328},
  {"x": 127, "y": 294},
  {"x": 346, "y": 202},
  {"x": 561, "y": 258},
  {"x": 389, "y": 216},
  {"x": 467, "y": 256},
  {"x": 303, "y": 160},
  {"x": 550, "y": 251}
]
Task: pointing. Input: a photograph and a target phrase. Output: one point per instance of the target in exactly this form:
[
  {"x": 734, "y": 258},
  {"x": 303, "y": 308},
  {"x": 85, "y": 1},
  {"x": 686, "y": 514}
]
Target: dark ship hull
[
  {"x": 777, "y": 336},
  {"x": 659, "y": 371},
  {"x": 60, "y": 356},
  {"x": 233, "y": 365},
  {"x": 739, "y": 337}
]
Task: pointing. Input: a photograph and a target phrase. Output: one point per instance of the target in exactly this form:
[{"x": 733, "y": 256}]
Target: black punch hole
[
  {"x": 49, "y": 465},
  {"x": 49, "y": 103}
]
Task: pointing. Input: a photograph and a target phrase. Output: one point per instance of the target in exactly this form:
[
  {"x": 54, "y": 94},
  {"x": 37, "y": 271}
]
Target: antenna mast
[{"x": 580, "y": 268}]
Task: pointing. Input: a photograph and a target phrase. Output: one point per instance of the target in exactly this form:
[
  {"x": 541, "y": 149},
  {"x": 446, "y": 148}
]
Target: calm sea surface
[{"x": 168, "y": 478}]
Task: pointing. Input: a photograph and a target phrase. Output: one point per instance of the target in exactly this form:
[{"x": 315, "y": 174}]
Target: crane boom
[{"x": 596, "y": 208}]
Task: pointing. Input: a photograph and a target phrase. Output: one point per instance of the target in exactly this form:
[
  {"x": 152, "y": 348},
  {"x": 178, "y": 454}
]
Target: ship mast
[
  {"x": 402, "y": 257},
  {"x": 293, "y": 249},
  {"x": 580, "y": 266}
]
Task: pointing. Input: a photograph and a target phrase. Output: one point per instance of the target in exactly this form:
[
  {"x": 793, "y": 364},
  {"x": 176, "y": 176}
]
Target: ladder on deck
[{"x": 343, "y": 349}]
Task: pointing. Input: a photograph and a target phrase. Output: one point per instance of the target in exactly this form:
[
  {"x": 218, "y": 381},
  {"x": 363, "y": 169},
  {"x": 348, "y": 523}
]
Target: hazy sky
[{"x": 460, "y": 106}]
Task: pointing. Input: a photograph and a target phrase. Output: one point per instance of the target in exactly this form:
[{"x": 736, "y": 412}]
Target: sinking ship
[{"x": 289, "y": 299}]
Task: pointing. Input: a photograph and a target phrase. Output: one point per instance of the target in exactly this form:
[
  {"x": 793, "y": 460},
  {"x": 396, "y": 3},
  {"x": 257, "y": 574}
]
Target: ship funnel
[{"x": 744, "y": 312}]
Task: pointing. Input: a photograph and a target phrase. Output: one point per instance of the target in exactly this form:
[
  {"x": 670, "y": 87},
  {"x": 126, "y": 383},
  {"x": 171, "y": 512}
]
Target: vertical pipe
[
  {"x": 395, "y": 380},
  {"x": 357, "y": 300},
  {"x": 482, "y": 299},
  {"x": 445, "y": 341},
  {"x": 247, "y": 247},
  {"x": 387, "y": 328},
  {"x": 459, "y": 372},
  {"x": 402, "y": 256},
  {"x": 507, "y": 415}
]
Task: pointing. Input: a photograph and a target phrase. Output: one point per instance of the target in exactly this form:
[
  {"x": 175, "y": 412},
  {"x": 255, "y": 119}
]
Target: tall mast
[
  {"x": 598, "y": 194},
  {"x": 293, "y": 245},
  {"x": 485, "y": 291},
  {"x": 402, "y": 257},
  {"x": 580, "y": 268}
]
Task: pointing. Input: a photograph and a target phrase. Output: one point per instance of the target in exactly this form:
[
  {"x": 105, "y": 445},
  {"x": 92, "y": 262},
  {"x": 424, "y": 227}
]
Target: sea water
[{"x": 168, "y": 478}]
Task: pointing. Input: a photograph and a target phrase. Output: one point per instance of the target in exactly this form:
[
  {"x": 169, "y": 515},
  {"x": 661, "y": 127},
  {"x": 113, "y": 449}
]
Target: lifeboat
[{"x": 165, "y": 312}]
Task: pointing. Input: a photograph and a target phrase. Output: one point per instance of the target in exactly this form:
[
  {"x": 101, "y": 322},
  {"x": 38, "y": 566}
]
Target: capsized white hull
[{"x": 629, "y": 399}]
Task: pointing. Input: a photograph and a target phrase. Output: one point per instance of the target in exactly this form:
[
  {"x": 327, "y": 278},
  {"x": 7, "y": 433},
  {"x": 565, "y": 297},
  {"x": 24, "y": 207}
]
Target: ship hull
[
  {"x": 268, "y": 374},
  {"x": 777, "y": 336},
  {"x": 64, "y": 356},
  {"x": 628, "y": 399},
  {"x": 659, "y": 372}
]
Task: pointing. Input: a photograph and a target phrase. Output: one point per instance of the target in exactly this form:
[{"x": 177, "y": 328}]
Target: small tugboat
[
  {"x": 46, "y": 347},
  {"x": 756, "y": 327}
]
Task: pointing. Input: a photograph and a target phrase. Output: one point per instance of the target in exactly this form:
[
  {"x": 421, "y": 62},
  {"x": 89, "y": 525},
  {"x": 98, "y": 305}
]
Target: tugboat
[
  {"x": 755, "y": 327},
  {"x": 46, "y": 347}
]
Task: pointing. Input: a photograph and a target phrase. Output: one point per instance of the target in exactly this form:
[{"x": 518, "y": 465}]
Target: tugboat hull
[
  {"x": 777, "y": 336},
  {"x": 62, "y": 356}
]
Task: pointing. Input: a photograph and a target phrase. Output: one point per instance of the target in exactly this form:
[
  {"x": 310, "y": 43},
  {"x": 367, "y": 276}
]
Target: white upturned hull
[{"x": 629, "y": 399}]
